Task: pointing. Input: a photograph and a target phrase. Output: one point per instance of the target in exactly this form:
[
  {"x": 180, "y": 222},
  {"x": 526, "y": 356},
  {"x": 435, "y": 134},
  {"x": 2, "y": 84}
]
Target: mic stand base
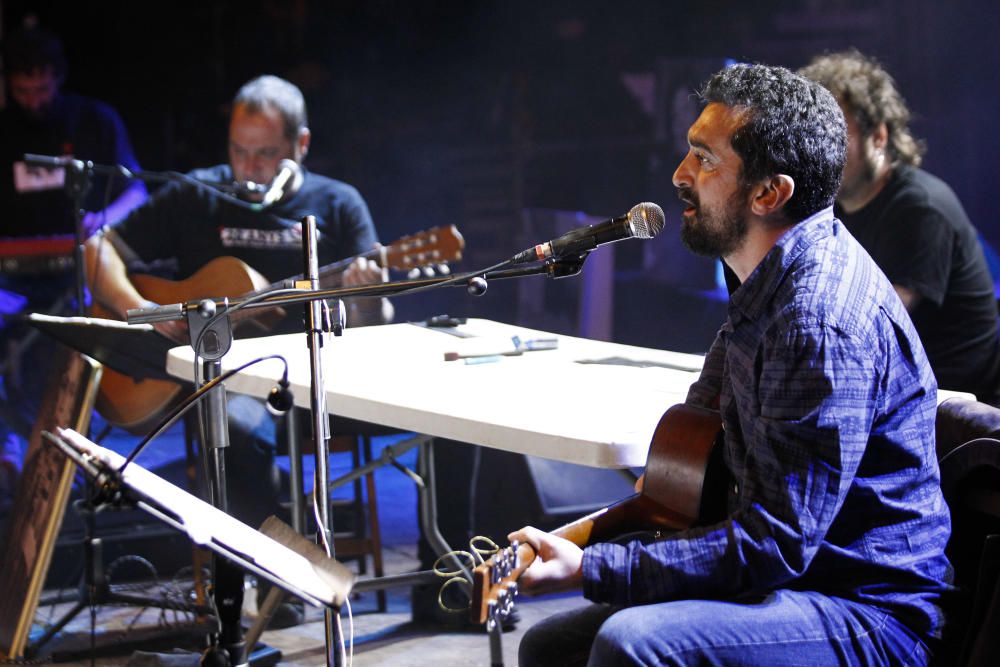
[
  {"x": 261, "y": 656},
  {"x": 95, "y": 590}
]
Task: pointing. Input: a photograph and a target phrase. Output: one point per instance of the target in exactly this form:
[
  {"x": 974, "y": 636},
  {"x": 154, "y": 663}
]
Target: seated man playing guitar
[
  {"x": 187, "y": 229},
  {"x": 189, "y": 226},
  {"x": 831, "y": 549}
]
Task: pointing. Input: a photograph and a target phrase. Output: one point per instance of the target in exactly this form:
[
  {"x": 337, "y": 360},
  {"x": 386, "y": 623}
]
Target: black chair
[{"x": 968, "y": 447}]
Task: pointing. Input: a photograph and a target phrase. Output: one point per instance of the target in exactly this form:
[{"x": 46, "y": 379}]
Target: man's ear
[
  {"x": 303, "y": 143},
  {"x": 771, "y": 195},
  {"x": 880, "y": 136}
]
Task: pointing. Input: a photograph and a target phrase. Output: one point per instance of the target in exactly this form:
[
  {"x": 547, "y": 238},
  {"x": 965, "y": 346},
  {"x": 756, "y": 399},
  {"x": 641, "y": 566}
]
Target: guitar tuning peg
[
  {"x": 428, "y": 271},
  {"x": 492, "y": 614},
  {"x": 443, "y": 269},
  {"x": 413, "y": 273}
]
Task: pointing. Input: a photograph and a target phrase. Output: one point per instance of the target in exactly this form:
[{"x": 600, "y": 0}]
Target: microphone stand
[
  {"x": 203, "y": 313},
  {"x": 78, "y": 182},
  {"x": 212, "y": 340},
  {"x": 315, "y": 327}
]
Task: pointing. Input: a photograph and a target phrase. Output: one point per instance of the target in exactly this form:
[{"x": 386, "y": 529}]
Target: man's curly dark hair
[
  {"x": 792, "y": 126},
  {"x": 871, "y": 96}
]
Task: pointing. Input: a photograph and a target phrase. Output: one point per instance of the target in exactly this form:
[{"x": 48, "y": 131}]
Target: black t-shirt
[
  {"x": 185, "y": 226},
  {"x": 918, "y": 233},
  {"x": 189, "y": 226},
  {"x": 34, "y": 204}
]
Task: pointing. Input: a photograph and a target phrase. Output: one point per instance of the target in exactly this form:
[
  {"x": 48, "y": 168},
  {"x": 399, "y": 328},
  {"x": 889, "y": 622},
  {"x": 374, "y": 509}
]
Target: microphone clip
[{"x": 565, "y": 266}]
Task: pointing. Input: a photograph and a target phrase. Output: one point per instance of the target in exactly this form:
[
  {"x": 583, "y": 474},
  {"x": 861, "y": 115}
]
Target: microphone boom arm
[{"x": 554, "y": 267}]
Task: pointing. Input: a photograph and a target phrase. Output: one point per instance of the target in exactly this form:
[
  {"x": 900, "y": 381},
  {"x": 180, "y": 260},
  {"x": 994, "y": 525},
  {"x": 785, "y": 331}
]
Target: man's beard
[
  {"x": 714, "y": 233},
  {"x": 861, "y": 181}
]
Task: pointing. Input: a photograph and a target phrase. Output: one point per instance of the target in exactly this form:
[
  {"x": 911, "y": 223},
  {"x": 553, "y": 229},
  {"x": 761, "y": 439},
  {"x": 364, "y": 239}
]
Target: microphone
[
  {"x": 643, "y": 221},
  {"x": 287, "y": 170},
  {"x": 55, "y": 162},
  {"x": 280, "y": 399}
]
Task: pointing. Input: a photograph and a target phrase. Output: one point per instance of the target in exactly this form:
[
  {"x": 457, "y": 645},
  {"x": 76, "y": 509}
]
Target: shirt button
[{"x": 736, "y": 489}]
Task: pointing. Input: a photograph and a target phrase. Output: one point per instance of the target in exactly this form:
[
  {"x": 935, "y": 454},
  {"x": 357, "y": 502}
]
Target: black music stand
[
  {"x": 129, "y": 349},
  {"x": 276, "y": 552},
  {"x": 136, "y": 350}
]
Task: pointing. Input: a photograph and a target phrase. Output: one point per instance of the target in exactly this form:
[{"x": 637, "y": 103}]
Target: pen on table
[
  {"x": 489, "y": 356},
  {"x": 484, "y": 359},
  {"x": 536, "y": 343}
]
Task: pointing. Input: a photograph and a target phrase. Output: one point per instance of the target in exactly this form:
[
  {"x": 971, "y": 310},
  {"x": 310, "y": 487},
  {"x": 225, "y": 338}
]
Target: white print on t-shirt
[
  {"x": 237, "y": 237},
  {"x": 37, "y": 179}
]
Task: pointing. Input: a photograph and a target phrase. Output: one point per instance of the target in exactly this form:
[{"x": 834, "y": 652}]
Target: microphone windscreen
[
  {"x": 647, "y": 220},
  {"x": 289, "y": 164},
  {"x": 280, "y": 399}
]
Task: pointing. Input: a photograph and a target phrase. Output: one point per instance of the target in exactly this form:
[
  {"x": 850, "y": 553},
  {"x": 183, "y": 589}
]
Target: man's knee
[
  {"x": 632, "y": 636},
  {"x": 530, "y": 651},
  {"x": 615, "y": 642},
  {"x": 563, "y": 639}
]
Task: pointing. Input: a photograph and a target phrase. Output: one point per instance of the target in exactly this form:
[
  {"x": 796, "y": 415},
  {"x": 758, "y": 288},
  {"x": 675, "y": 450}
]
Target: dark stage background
[{"x": 490, "y": 115}]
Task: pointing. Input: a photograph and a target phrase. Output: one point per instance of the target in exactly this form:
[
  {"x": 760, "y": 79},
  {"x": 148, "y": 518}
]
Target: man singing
[{"x": 832, "y": 546}]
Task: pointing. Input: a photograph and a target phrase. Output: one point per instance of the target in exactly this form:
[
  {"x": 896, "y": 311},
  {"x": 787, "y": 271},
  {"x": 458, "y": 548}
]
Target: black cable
[
  {"x": 259, "y": 296},
  {"x": 186, "y": 404},
  {"x": 177, "y": 176}
]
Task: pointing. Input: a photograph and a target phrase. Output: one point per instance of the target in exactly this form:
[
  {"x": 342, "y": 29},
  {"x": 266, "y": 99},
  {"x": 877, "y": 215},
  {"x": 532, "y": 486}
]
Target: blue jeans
[{"x": 784, "y": 628}]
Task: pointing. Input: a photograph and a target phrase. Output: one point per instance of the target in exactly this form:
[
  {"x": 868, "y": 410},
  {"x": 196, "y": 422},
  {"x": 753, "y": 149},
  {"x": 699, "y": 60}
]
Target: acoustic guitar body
[{"x": 136, "y": 405}]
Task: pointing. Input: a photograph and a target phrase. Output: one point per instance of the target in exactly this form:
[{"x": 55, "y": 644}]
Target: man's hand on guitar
[
  {"x": 558, "y": 566},
  {"x": 363, "y": 271},
  {"x": 175, "y": 330}
]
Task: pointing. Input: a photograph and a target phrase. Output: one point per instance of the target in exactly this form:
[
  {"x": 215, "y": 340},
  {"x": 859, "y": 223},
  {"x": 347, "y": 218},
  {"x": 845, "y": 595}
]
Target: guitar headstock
[
  {"x": 438, "y": 245},
  {"x": 494, "y": 584}
]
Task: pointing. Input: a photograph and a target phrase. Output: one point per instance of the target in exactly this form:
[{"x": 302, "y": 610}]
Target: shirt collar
[{"x": 751, "y": 298}]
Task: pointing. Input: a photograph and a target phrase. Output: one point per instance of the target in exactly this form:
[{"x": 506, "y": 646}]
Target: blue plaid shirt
[{"x": 828, "y": 406}]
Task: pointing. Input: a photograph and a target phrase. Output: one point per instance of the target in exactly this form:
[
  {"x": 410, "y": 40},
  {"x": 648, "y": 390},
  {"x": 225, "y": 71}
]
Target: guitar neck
[
  {"x": 637, "y": 512},
  {"x": 330, "y": 271},
  {"x": 435, "y": 246},
  {"x": 595, "y": 527}
]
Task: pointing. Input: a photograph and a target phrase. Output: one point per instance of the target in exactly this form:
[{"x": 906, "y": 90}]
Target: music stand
[
  {"x": 140, "y": 352},
  {"x": 299, "y": 567},
  {"x": 136, "y": 350}
]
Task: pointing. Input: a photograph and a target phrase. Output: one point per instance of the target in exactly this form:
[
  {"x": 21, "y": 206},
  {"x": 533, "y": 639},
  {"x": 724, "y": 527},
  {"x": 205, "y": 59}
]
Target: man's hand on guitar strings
[
  {"x": 363, "y": 271},
  {"x": 175, "y": 330},
  {"x": 558, "y": 566}
]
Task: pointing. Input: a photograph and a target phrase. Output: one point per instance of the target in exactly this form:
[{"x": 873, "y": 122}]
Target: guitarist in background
[
  {"x": 832, "y": 546},
  {"x": 184, "y": 226}
]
